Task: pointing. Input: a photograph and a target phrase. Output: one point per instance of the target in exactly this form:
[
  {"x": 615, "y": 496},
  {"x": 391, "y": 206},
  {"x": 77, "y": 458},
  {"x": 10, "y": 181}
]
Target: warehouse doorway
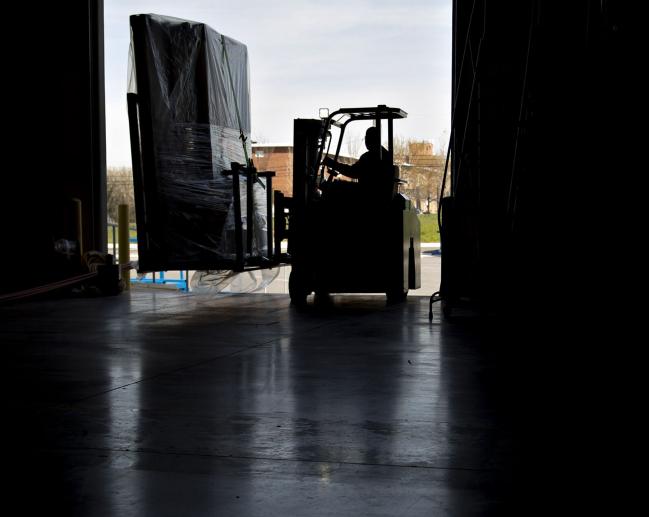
[{"x": 397, "y": 58}]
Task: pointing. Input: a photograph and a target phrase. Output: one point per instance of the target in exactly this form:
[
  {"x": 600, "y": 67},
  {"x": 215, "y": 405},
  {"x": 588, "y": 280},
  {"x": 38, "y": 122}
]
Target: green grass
[
  {"x": 132, "y": 233},
  {"x": 429, "y": 228}
]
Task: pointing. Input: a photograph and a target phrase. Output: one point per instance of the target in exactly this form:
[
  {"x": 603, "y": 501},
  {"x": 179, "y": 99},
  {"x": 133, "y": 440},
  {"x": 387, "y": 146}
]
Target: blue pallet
[{"x": 161, "y": 280}]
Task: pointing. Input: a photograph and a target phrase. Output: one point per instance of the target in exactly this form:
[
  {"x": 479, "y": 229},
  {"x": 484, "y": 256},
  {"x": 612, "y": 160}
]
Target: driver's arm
[{"x": 351, "y": 171}]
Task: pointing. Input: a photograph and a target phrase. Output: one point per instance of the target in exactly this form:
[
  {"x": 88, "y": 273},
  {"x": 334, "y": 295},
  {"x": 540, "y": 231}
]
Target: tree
[
  {"x": 119, "y": 190},
  {"x": 422, "y": 169}
]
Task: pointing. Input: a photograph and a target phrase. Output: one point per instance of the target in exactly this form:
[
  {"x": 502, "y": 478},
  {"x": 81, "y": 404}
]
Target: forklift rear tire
[{"x": 297, "y": 289}]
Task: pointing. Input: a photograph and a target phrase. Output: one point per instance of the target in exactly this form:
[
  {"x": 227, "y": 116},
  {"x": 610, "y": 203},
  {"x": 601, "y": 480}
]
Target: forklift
[{"x": 338, "y": 242}]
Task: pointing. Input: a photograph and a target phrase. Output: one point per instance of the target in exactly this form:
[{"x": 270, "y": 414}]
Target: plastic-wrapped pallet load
[{"x": 189, "y": 111}]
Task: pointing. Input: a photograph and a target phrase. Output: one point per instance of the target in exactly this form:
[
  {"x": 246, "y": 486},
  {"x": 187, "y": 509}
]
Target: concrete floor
[{"x": 168, "y": 404}]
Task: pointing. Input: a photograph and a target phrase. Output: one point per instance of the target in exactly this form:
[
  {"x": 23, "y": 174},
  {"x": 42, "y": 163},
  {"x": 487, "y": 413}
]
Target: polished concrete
[{"x": 168, "y": 404}]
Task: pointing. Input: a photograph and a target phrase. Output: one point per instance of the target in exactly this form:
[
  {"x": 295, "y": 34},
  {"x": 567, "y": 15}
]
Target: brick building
[{"x": 279, "y": 158}]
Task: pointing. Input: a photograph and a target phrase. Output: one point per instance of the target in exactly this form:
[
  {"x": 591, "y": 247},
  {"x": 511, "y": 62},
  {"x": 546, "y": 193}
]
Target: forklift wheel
[
  {"x": 396, "y": 296},
  {"x": 297, "y": 289}
]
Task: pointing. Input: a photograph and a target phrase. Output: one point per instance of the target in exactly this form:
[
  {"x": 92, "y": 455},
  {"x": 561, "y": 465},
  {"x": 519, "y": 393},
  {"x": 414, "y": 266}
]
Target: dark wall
[
  {"x": 541, "y": 145},
  {"x": 55, "y": 138},
  {"x": 545, "y": 231}
]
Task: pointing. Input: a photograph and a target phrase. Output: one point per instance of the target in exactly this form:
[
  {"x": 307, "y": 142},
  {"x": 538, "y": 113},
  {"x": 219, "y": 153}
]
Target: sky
[{"x": 305, "y": 55}]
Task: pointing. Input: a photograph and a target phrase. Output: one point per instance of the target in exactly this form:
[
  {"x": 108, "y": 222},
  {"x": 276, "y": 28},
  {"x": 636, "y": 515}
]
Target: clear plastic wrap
[
  {"x": 228, "y": 281},
  {"x": 193, "y": 112}
]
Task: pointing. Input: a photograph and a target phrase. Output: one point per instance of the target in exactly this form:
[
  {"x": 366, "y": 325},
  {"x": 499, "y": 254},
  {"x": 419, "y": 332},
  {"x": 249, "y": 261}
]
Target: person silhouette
[{"x": 374, "y": 170}]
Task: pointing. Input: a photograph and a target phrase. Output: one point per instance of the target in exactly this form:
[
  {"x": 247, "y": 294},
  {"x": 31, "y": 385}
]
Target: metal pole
[
  {"x": 250, "y": 209},
  {"x": 124, "y": 246},
  {"x": 269, "y": 216},
  {"x": 378, "y": 127},
  {"x": 78, "y": 215},
  {"x": 279, "y": 224},
  {"x": 238, "y": 237}
]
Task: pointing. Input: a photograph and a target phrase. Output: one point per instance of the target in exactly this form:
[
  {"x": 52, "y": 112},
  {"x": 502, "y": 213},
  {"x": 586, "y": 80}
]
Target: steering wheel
[{"x": 332, "y": 174}]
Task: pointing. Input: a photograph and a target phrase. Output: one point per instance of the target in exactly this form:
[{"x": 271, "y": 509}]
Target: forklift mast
[
  {"x": 307, "y": 135},
  {"x": 306, "y": 144}
]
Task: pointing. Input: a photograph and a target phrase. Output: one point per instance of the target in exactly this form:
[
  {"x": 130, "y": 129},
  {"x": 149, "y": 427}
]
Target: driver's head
[{"x": 372, "y": 138}]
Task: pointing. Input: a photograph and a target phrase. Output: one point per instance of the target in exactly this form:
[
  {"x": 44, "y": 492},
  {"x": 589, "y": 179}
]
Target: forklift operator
[{"x": 374, "y": 172}]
